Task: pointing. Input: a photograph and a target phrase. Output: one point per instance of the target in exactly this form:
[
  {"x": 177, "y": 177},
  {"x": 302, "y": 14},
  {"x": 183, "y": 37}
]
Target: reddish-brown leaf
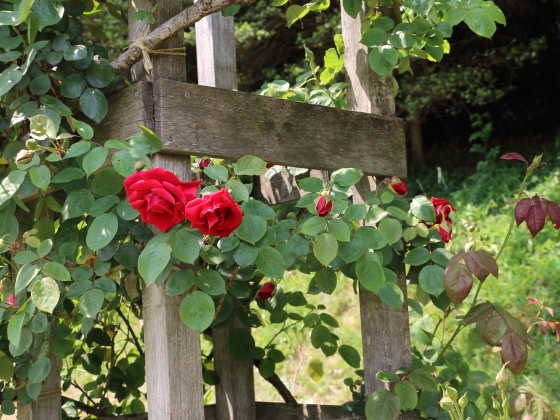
[
  {"x": 511, "y": 156},
  {"x": 550, "y": 311},
  {"x": 514, "y": 351},
  {"x": 489, "y": 262},
  {"x": 553, "y": 211},
  {"x": 521, "y": 210},
  {"x": 535, "y": 220},
  {"x": 476, "y": 264},
  {"x": 514, "y": 324},
  {"x": 557, "y": 327},
  {"x": 458, "y": 281},
  {"x": 477, "y": 312},
  {"x": 537, "y": 201},
  {"x": 543, "y": 326},
  {"x": 494, "y": 330}
]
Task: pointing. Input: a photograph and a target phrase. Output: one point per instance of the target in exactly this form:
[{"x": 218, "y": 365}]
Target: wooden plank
[
  {"x": 215, "y": 55},
  {"x": 219, "y": 123},
  {"x": 282, "y": 187},
  {"x": 173, "y": 368},
  {"x": 272, "y": 411},
  {"x": 385, "y": 330}
]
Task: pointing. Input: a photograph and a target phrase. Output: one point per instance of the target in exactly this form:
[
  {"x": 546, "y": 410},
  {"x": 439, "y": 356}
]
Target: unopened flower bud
[
  {"x": 31, "y": 144},
  {"x": 506, "y": 405},
  {"x": 139, "y": 165},
  {"x": 463, "y": 401},
  {"x": 502, "y": 378},
  {"x": 24, "y": 157},
  {"x": 495, "y": 404},
  {"x": 292, "y": 216},
  {"x": 446, "y": 403},
  {"x": 452, "y": 393}
]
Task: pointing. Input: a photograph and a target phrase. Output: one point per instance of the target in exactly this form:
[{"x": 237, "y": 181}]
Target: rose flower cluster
[{"x": 164, "y": 201}]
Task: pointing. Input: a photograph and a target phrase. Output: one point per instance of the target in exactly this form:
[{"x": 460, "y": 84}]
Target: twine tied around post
[
  {"x": 45, "y": 395},
  {"x": 139, "y": 43}
]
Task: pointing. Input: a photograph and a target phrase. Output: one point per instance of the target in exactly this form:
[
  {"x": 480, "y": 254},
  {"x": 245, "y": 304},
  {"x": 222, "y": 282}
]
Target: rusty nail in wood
[
  {"x": 170, "y": 137},
  {"x": 188, "y": 96}
]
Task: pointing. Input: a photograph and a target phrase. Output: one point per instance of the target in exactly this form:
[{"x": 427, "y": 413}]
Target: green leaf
[
  {"x": 339, "y": 229},
  {"x": 417, "y": 256},
  {"x": 11, "y": 184},
  {"x": 311, "y": 184},
  {"x": 40, "y": 85},
  {"x": 179, "y": 282},
  {"x": 315, "y": 369},
  {"x": 67, "y": 175},
  {"x": 154, "y": 141},
  {"x": 431, "y": 279},
  {"x": 387, "y": 376},
  {"x": 125, "y": 211},
  {"x": 24, "y": 276},
  {"x": 480, "y": 22},
  {"x": 352, "y": 7},
  {"x": 420, "y": 6},
  {"x": 391, "y": 295},
  {"x": 84, "y": 130},
  {"x": 383, "y": 60},
  {"x": 153, "y": 260},
  {"x": 39, "y": 370},
  {"x": 355, "y": 212},
  {"x": 197, "y": 311},
  {"x": 320, "y": 335},
  {"x": 9, "y": 78},
  {"x": 45, "y": 294},
  {"x": 40, "y": 176},
  {"x": 6, "y": 369},
  {"x": 455, "y": 15},
  {"x": 347, "y": 177},
  {"x": 383, "y": 405},
  {"x": 73, "y": 86},
  {"x": 99, "y": 74},
  {"x": 75, "y": 52},
  {"x": 371, "y": 237},
  {"x": 314, "y": 225},
  {"x": 25, "y": 257},
  {"x": 258, "y": 208},
  {"x": 184, "y": 246},
  {"x": 325, "y": 248},
  {"x": 370, "y": 272},
  {"x": 231, "y": 10},
  {"x": 94, "y": 104},
  {"x": 241, "y": 344},
  {"x": 270, "y": 263},
  {"x": 102, "y": 205},
  {"x": 245, "y": 254},
  {"x": 294, "y": 13},
  {"x": 493, "y": 11},
  {"x": 350, "y": 355},
  {"x": 211, "y": 282},
  {"x": 15, "y": 324},
  {"x": 391, "y": 229},
  {"x": 325, "y": 279},
  {"x": 408, "y": 395},
  {"x": 249, "y": 165},
  {"x": 77, "y": 149},
  {"x": 329, "y": 320},
  {"x": 90, "y": 303},
  {"x": 441, "y": 256},
  {"x": 217, "y": 172},
  {"x": 383, "y": 22},
  {"x": 423, "y": 379},
  {"x": 107, "y": 182},
  {"x": 77, "y": 203},
  {"x": 238, "y": 190},
  {"x": 374, "y": 37},
  {"x": 94, "y": 159},
  {"x": 102, "y": 231},
  {"x": 56, "y": 270},
  {"x": 267, "y": 368},
  {"x": 124, "y": 161},
  {"x": 48, "y": 12},
  {"x": 251, "y": 229}
]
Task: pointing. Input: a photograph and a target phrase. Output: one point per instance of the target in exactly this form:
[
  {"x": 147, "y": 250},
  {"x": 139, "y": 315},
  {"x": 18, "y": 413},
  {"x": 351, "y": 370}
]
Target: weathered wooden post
[
  {"x": 385, "y": 330},
  {"x": 173, "y": 364},
  {"x": 215, "y": 55}
]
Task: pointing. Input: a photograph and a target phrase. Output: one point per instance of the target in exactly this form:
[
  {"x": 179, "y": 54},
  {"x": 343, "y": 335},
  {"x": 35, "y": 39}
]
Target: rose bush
[
  {"x": 160, "y": 196},
  {"x": 214, "y": 214}
]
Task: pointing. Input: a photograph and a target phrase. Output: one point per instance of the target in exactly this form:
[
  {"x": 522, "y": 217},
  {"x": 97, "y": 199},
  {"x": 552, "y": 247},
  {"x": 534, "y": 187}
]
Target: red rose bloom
[
  {"x": 443, "y": 208},
  {"x": 204, "y": 163},
  {"x": 398, "y": 185},
  {"x": 160, "y": 196},
  {"x": 214, "y": 214},
  {"x": 267, "y": 291},
  {"x": 269, "y": 165},
  {"x": 323, "y": 208}
]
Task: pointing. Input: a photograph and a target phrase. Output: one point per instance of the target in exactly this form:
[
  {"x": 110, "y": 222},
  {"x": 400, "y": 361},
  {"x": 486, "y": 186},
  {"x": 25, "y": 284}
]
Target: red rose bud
[
  {"x": 24, "y": 157},
  {"x": 442, "y": 208},
  {"x": 532, "y": 301},
  {"x": 269, "y": 165},
  {"x": 160, "y": 196},
  {"x": 324, "y": 207},
  {"x": 214, "y": 214},
  {"x": 444, "y": 230},
  {"x": 267, "y": 291},
  {"x": 11, "y": 300},
  {"x": 204, "y": 163},
  {"x": 398, "y": 185}
]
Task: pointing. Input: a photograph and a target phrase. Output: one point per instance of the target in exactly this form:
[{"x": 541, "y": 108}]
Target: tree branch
[
  {"x": 183, "y": 20},
  {"x": 277, "y": 383}
]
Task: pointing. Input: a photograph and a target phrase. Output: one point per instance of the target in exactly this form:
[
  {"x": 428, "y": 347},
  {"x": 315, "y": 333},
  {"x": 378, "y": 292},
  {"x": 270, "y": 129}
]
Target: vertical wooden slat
[
  {"x": 173, "y": 364},
  {"x": 385, "y": 330},
  {"x": 215, "y": 53}
]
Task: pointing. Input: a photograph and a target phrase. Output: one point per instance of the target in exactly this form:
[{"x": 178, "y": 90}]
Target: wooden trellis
[{"x": 205, "y": 121}]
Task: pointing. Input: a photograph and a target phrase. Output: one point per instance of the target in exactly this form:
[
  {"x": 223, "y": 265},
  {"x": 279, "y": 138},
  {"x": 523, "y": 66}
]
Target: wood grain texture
[
  {"x": 215, "y": 52},
  {"x": 219, "y": 123},
  {"x": 385, "y": 330},
  {"x": 272, "y": 411},
  {"x": 48, "y": 408},
  {"x": 282, "y": 187}
]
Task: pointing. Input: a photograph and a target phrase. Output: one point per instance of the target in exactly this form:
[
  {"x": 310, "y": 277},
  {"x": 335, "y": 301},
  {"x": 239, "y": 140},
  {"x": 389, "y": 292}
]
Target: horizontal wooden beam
[{"x": 206, "y": 121}]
